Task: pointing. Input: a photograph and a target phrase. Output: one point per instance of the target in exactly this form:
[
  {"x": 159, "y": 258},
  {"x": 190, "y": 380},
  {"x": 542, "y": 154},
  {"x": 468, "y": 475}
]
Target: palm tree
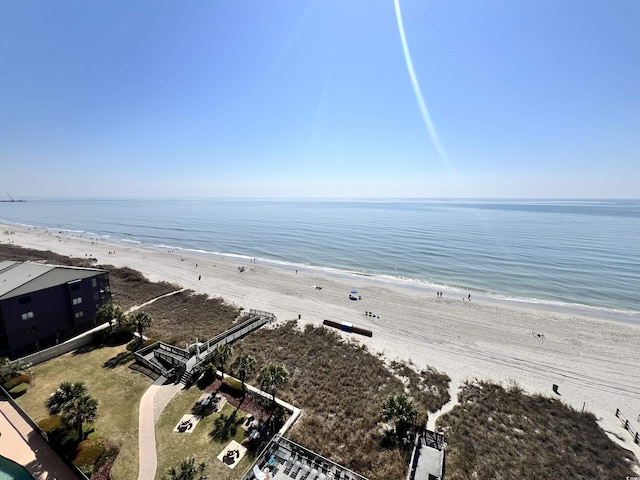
[
  {"x": 79, "y": 411},
  {"x": 141, "y": 321},
  {"x": 244, "y": 364},
  {"x": 272, "y": 377},
  {"x": 400, "y": 410},
  {"x": 188, "y": 471},
  {"x": 66, "y": 393},
  {"x": 221, "y": 354},
  {"x": 110, "y": 313}
]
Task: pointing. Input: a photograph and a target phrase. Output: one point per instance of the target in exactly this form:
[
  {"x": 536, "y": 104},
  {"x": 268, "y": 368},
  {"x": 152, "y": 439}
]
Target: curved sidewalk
[{"x": 154, "y": 400}]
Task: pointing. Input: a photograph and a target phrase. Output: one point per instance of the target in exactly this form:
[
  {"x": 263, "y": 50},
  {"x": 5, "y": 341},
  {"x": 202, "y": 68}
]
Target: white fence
[{"x": 62, "y": 348}]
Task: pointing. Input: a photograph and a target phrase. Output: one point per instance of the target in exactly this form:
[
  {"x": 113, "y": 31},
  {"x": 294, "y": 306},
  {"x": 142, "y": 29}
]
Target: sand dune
[{"x": 590, "y": 354}]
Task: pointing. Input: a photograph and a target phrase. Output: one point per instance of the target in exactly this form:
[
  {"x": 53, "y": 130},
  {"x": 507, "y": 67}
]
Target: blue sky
[{"x": 313, "y": 98}]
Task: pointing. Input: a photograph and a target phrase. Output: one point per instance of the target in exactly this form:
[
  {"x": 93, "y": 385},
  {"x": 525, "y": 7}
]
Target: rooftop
[{"x": 21, "y": 278}]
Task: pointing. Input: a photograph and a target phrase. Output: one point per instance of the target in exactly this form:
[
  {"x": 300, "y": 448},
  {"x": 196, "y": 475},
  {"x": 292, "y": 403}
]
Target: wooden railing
[
  {"x": 627, "y": 426},
  {"x": 257, "y": 319}
]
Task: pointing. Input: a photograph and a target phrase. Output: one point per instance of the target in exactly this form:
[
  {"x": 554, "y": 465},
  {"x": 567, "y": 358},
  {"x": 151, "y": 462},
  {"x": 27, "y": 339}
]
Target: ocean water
[{"x": 583, "y": 252}]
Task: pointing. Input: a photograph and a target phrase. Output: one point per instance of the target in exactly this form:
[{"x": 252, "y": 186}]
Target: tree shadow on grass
[
  {"x": 225, "y": 427},
  {"x": 120, "y": 359},
  {"x": 88, "y": 348}
]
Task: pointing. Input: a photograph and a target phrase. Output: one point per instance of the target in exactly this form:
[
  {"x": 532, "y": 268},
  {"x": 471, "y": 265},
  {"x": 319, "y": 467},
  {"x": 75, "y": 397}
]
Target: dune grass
[
  {"x": 130, "y": 287},
  {"x": 117, "y": 388},
  {"x": 341, "y": 388},
  {"x": 199, "y": 316},
  {"x": 428, "y": 387},
  {"x": 502, "y": 433}
]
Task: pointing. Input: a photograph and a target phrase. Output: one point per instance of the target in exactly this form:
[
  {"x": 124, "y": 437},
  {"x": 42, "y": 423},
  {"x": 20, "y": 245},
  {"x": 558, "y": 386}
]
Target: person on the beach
[{"x": 469, "y": 297}]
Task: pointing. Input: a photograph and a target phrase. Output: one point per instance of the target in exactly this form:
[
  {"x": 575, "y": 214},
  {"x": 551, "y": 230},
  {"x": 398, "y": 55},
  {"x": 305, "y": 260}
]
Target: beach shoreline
[{"x": 590, "y": 353}]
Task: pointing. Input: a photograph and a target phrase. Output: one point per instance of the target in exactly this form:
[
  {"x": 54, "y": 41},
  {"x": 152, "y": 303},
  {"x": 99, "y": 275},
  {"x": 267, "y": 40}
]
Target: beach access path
[{"x": 153, "y": 401}]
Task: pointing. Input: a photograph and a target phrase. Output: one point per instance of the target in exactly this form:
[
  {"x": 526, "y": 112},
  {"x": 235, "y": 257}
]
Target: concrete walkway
[
  {"x": 137, "y": 307},
  {"x": 154, "y": 400},
  {"x": 20, "y": 443}
]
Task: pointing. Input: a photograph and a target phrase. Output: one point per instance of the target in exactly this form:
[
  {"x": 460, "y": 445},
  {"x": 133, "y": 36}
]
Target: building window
[
  {"x": 94, "y": 283},
  {"x": 75, "y": 285},
  {"x": 79, "y": 314},
  {"x": 24, "y": 300},
  {"x": 77, "y": 300},
  {"x": 27, "y": 315},
  {"x": 30, "y": 331}
]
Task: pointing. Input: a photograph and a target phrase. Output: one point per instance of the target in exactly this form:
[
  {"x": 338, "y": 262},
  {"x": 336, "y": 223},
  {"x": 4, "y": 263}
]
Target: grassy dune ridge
[{"x": 503, "y": 433}]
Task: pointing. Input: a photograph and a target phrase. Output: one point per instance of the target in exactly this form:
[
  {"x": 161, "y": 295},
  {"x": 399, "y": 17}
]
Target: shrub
[
  {"x": 18, "y": 390},
  {"x": 109, "y": 455},
  {"x": 117, "y": 337},
  {"x": 88, "y": 452},
  {"x": 17, "y": 380},
  {"x": 135, "y": 345},
  {"x": 232, "y": 384},
  {"x": 87, "y": 470},
  {"x": 51, "y": 423}
]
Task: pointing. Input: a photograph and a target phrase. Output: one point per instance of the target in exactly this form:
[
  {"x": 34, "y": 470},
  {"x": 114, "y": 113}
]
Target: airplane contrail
[{"x": 416, "y": 87}]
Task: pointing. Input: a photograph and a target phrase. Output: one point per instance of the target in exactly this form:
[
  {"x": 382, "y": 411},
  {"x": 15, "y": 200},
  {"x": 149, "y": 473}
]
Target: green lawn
[
  {"x": 174, "y": 447},
  {"x": 109, "y": 379}
]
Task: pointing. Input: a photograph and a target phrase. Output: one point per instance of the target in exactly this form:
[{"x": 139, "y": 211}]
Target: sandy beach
[{"x": 591, "y": 355}]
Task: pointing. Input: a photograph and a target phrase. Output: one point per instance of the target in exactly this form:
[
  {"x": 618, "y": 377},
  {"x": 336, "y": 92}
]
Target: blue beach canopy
[{"x": 353, "y": 292}]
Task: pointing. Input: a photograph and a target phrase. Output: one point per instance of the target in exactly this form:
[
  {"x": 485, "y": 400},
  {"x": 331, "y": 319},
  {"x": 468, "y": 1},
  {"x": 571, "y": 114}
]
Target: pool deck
[{"x": 21, "y": 444}]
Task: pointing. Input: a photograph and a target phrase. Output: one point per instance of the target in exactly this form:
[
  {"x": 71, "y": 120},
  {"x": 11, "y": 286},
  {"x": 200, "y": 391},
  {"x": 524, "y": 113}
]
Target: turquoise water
[
  {"x": 10, "y": 470},
  {"x": 583, "y": 252}
]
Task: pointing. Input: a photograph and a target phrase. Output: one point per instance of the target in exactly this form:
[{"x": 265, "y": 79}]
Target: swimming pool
[{"x": 10, "y": 470}]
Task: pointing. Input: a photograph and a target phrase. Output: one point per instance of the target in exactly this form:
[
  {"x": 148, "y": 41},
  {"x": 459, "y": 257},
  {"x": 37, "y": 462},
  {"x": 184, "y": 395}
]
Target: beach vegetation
[
  {"x": 272, "y": 378},
  {"x": 188, "y": 470},
  {"x": 400, "y": 410},
  {"x": 428, "y": 386},
  {"x": 220, "y": 355},
  {"x": 140, "y": 321},
  {"x": 79, "y": 411},
  {"x": 244, "y": 364},
  {"x": 17, "y": 253},
  {"x": 112, "y": 314},
  {"x": 74, "y": 405},
  {"x": 130, "y": 287},
  {"x": 64, "y": 395},
  {"x": 207, "y": 317},
  {"x": 497, "y": 432}
]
